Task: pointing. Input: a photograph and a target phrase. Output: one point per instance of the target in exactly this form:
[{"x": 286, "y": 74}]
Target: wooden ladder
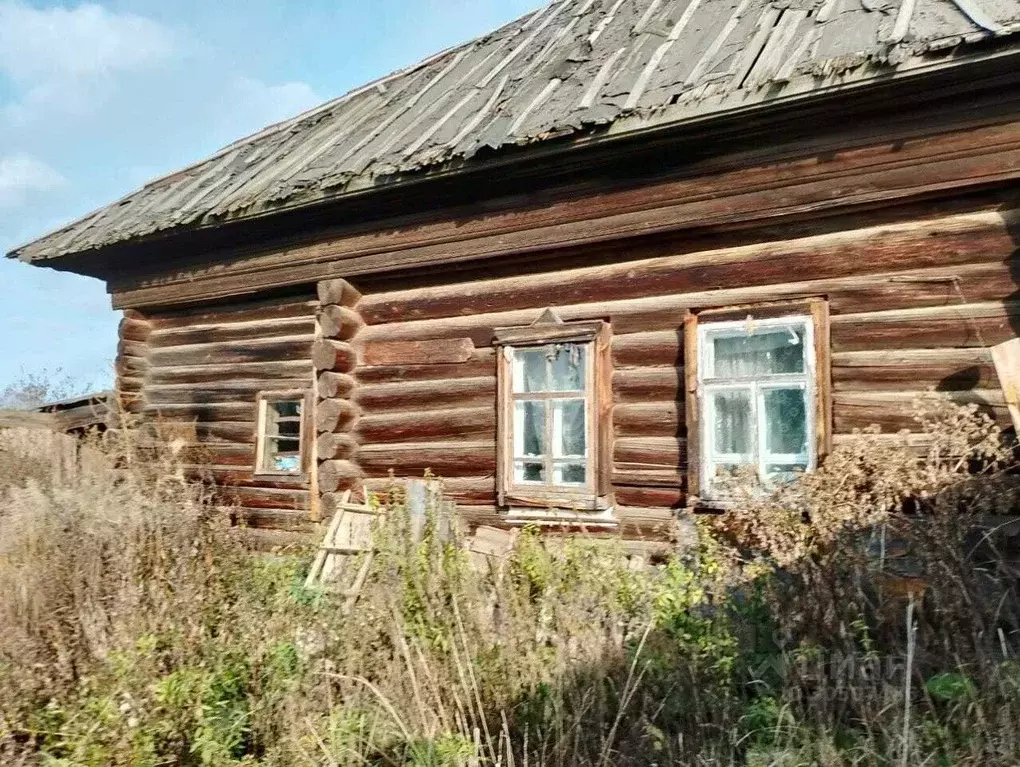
[{"x": 348, "y": 536}]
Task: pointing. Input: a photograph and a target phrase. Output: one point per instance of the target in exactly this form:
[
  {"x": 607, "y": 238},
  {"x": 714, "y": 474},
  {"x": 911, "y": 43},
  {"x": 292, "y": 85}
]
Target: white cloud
[
  {"x": 40, "y": 45},
  {"x": 66, "y": 60},
  {"x": 22, "y": 175}
]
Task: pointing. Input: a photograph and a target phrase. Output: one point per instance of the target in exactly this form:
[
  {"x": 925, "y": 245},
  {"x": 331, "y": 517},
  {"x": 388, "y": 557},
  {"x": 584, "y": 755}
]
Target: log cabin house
[{"x": 581, "y": 266}]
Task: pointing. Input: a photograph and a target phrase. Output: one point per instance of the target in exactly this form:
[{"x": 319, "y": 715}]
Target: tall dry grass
[{"x": 135, "y": 629}]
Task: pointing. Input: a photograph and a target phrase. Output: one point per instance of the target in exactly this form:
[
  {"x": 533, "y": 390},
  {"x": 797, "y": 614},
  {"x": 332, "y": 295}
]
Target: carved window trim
[{"x": 564, "y": 501}]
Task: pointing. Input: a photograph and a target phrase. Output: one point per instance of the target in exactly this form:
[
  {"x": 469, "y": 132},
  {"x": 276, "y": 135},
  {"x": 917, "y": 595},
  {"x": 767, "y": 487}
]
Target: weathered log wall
[
  {"x": 914, "y": 305},
  {"x": 193, "y": 375}
]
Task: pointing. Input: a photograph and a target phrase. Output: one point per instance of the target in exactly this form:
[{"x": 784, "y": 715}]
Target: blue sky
[{"x": 97, "y": 98}]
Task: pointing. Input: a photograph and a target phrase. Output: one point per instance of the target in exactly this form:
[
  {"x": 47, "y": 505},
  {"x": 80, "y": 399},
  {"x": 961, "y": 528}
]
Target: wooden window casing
[
  {"x": 268, "y": 433},
  {"x": 592, "y": 494},
  {"x": 814, "y": 313}
]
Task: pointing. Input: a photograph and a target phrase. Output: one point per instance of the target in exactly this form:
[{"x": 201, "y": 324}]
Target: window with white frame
[
  {"x": 756, "y": 386},
  {"x": 280, "y": 444},
  {"x": 550, "y": 404}
]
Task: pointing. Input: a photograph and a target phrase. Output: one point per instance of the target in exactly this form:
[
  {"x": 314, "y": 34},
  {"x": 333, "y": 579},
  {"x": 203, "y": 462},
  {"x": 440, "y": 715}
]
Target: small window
[
  {"x": 281, "y": 434},
  {"x": 551, "y": 414},
  {"x": 756, "y": 385}
]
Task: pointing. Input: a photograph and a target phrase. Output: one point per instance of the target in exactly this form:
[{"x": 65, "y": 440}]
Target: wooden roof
[{"x": 574, "y": 69}]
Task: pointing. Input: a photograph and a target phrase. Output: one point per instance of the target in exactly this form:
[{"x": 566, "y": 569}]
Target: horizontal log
[
  {"x": 136, "y": 349},
  {"x": 445, "y": 459},
  {"x": 963, "y": 325},
  {"x": 334, "y": 356},
  {"x": 958, "y": 239},
  {"x": 913, "y": 369},
  {"x": 650, "y": 497},
  {"x": 716, "y": 193},
  {"x": 233, "y": 331},
  {"x": 332, "y": 385},
  {"x": 339, "y": 322},
  {"x": 243, "y": 475},
  {"x": 127, "y": 385},
  {"x": 914, "y": 358},
  {"x": 647, "y": 523},
  {"x": 339, "y": 292},
  {"x": 127, "y": 365},
  {"x": 653, "y": 419},
  {"x": 416, "y": 426},
  {"x": 664, "y": 477},
  {"x": 202, "y": 412},
  {"x": 249, "y": 310},
  {"x": 990, "y": 280},
  {"x": 227, "y": 353},
  {"x": 481, "y": 364},
  {"x": 335, "y": 415},
  {"x": 134, "y": 330},
  {"x": 469, "y": 490},
  {"x": 331, "y": 446},
  {"x": 189, "y": 430},
  {"x": 271, "y": 371},
  {"x": 277, "y": 520},
  {"x": 264, "y": 497},
  {"x": 238, "y": 456},
  {"x": 226, "y": 391},
  {"x": 657, "y": 348},
  {"x": 337, "y": 475},
  {"x": 444, "y": 351},
  {"x": 427, "y": 395},
  {"x": 651, "y": 383},
  {"x": 637, "y": 453},
  {"x": 893, "y": 411}
]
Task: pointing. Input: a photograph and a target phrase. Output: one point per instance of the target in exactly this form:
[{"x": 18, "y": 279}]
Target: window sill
[
  {"x": 281, "y": 475},
  {"x": 598, "y": 518}
]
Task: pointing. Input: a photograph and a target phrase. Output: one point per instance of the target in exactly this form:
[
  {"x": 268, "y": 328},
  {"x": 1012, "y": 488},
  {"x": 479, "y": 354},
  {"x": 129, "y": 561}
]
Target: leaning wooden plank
[{"x": 1006, "y": 357}]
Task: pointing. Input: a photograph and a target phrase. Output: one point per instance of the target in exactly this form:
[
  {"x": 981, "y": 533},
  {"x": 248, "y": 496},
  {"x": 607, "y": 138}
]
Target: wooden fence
[{"x": 53, "y": 433}]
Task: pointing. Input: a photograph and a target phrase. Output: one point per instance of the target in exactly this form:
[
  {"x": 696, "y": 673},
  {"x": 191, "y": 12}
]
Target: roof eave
[{"x": 797, "y": 92}]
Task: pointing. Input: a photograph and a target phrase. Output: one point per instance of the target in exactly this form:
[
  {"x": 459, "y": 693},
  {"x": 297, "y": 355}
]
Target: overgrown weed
[{"x": 138, "y": 630}]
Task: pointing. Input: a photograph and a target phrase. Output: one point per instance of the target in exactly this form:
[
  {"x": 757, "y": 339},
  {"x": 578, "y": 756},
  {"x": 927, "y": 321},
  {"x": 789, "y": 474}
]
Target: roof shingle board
[{"x": 571, "y": 67}]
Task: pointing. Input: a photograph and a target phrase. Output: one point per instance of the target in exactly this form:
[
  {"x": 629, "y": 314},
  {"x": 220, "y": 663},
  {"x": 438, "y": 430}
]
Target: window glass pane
[
  {"x": 785, "y": 421},
  {"x": 568, "y": 367},
  {"x": 529, "y": 428},
  {"x": 529, "y": 472},
  {"x": 281, "y": 454},
  {"x": 766, "y": 352},
  {"x": 569, "y": 434},
  {"x": 289, "y": 429},
  {"x": 288, "y": 409},
  {"x": 732, "y": 422},
  {"x": 569, "y": 474},
  {"x": 530, "y": 370},
  {"x": 290, "y": 463}
]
